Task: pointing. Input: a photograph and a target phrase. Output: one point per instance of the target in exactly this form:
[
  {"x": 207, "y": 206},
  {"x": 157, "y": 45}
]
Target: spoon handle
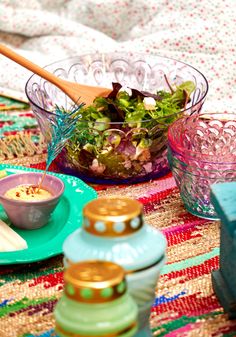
[{"x": 29, "y": 65}]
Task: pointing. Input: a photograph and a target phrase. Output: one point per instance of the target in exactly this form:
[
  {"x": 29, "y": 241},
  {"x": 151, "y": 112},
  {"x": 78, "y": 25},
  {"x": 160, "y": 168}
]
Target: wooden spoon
[{"x": 77, "y": 92}]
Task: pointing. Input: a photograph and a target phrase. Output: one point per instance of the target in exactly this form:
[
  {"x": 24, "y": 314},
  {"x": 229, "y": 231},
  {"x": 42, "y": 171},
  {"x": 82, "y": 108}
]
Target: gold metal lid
[
  {"x": 94, "y": 281},
  {"x": 113, "y": 217}
]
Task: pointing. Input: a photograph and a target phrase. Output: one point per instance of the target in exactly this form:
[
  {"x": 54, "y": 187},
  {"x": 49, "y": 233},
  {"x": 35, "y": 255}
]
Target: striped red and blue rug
[{"x": 185, "y": 304}]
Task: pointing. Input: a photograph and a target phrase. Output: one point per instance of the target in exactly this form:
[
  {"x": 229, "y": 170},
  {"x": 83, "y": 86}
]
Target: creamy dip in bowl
[
  {"x": 28, "y": 193},
  {"x": 25, "y": 205}
]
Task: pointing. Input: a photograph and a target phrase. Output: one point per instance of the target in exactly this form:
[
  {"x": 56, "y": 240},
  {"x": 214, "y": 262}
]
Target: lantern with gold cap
[
  {"x": 95, "y": 302},
  {"x": 114, "y": 230}
]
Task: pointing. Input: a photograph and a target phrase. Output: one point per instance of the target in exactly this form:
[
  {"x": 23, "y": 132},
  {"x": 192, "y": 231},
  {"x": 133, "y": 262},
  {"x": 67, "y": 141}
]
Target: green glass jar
[{"x": 95, "y": 302}]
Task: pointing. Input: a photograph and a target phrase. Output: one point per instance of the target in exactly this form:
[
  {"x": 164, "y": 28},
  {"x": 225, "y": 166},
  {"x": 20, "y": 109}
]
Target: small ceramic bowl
[{"x": 30, "y": 214}]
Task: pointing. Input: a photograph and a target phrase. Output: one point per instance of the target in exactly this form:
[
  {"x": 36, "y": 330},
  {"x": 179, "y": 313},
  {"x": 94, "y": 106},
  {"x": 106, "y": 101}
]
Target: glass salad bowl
[{"x": 121, "y": 138}]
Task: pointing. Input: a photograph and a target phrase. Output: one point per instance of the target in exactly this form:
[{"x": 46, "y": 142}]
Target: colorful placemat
[
  {"x": 7, "y": 103},
  {"x": 21, "y": 142},
  {"x": 185, "y": 304}
]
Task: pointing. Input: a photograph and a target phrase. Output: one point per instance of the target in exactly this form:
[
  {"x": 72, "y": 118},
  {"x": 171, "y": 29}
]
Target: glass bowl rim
[
  {"x": 181, "y": 150},
  {"x": 119, "y": 53}
]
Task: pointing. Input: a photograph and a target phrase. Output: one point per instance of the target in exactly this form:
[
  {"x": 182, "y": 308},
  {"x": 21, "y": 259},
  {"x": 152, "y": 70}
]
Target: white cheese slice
[
  {"x": 149, "y": 103},
  {"x": 10, "y": 240}
]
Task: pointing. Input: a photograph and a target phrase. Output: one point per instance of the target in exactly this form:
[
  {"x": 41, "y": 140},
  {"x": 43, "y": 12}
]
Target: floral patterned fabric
[{"x": 201, "y": 33}]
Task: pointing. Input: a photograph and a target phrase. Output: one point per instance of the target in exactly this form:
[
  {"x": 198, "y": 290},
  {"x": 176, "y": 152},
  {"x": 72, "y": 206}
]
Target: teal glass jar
[
  {"x": 114, "y": 230},
  {"x": 95, "y": 302}
]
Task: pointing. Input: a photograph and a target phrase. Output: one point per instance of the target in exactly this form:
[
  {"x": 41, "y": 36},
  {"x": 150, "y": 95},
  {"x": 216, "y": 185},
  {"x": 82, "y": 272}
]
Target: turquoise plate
[{"x": 47, "y": 241}]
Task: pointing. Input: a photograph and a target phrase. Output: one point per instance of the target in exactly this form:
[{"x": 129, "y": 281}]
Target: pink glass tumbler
[{"x": 202, "y": 152}]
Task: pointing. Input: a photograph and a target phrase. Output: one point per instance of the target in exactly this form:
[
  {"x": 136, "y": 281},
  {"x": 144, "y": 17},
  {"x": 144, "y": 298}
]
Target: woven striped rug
[{"x": 185, "y": 304}]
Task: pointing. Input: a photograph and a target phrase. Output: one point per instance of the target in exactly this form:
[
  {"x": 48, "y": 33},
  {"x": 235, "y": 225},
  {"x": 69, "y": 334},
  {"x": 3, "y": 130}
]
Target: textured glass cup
[
  {"x": 202, "y": 152},
  {"x": 122, "y": 152}
]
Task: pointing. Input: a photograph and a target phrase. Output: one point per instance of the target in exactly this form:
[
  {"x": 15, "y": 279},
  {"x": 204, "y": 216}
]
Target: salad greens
[
  {"x": 124, "y": 134},
  {"x": 119, "y": 106}
]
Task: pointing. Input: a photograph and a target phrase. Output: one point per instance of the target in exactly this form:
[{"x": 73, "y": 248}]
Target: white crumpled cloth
[{"x": 201, "y": 33}]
